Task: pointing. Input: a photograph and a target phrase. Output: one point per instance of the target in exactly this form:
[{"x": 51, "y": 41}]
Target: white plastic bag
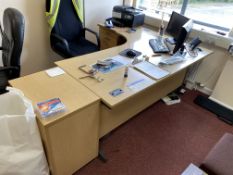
[{"x": 21, "y": 151}]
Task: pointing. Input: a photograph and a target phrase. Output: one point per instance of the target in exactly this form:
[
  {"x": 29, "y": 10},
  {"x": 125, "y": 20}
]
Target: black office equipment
[
  {"x": 183, "y": 35},
  {"x": 194, "y": 43},
  {"x": 125, "y": 16},
  {"x": 68, "y": 34},
  {"x": 158, "y": 45},
  {"x": 175, "y": 24},
  {"x": 12, "y": 43},
  {"x": 131, "y": 53},
  {"x": 178, "y": 28}
]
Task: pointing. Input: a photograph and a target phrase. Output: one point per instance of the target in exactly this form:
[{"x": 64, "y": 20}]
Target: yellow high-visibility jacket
[{"x": 53, "y": 9}]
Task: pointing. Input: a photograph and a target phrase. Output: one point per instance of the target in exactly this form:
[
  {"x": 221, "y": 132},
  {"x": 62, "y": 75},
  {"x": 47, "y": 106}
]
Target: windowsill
[{"x": 207, "y": 35}]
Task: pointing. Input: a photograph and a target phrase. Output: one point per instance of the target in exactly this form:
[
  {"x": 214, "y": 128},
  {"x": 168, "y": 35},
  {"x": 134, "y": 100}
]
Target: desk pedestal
[
  {"x": 109, "y": 38},
  {"x": 71, "y": 143},
  {"x": 70, "y": 138}
]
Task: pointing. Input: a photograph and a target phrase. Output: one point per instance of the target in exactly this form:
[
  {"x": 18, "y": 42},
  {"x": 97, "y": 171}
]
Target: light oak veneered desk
[
  {"x": 116, "y": 110},
  {"x": 71, "y": 138}
]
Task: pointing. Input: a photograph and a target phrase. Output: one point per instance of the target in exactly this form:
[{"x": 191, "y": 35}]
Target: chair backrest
[
  {"x": 68, "y": 25},
  {"x": 12, "y": 40}
]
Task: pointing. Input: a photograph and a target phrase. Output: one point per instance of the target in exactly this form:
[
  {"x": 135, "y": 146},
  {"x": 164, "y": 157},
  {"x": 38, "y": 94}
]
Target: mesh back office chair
[
  {"x": 68, "y": 35},
  {"x": 12, "y": 43}
]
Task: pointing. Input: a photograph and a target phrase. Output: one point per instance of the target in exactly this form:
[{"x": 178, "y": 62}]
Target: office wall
[
  {"x": 210, "y": 68},
  {"x": 37, "y": 54},
  {"x": 97, "y": 12}
]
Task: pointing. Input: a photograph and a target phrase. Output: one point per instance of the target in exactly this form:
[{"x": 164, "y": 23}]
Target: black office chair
[
  {"x": 12, "y": 43},
  {"x": 68, "y": 35}
]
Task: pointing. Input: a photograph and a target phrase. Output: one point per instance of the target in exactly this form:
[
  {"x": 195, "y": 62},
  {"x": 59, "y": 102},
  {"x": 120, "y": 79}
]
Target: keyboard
[{"x": 158, "y": 45}]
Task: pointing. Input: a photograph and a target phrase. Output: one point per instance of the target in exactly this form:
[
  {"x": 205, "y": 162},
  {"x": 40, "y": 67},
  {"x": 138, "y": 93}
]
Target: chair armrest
[
  {"x": 3, "y": 81},
  {"x": 11, "y": 72},
  {"x": 94, "y": 33},
  {"x": 8, "y": 68},
  {"x": 56, "y": 38}
]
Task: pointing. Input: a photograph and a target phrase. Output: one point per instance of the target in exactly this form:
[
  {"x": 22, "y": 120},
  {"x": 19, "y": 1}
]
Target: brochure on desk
[
  {"x": 116, "y": 63},
  {"x": 145, "y": 67},
  {"x": 50, "y": 107},
  {"x": 151, "y": 70}
]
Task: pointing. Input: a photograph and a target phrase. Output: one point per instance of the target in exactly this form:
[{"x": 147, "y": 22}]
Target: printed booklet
[{"x": 50, "y": 107}]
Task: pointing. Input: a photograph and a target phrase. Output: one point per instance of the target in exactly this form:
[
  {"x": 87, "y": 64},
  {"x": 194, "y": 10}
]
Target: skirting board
[
  {"x": 207, "y": 91},
  {"x": 221, "y": 103}
]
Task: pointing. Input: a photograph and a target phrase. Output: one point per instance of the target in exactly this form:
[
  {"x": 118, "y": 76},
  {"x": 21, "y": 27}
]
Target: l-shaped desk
[{"x": 71, "y": 138}]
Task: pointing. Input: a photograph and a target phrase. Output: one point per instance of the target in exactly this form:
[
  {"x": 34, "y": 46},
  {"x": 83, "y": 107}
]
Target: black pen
[{"x": 126, "y": 72}]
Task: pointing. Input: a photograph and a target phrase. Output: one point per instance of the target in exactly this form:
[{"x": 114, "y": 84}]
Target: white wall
[
  {"x": 211, "y": 67},
  {"x": 36, "y": 54},
  {"x": 97, "y": 11},
  {"x": 222, "y": 93}
]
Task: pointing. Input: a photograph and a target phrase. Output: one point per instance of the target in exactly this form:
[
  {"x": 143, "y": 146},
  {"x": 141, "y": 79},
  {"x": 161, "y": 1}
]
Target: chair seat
[
  {"x": 219, "y": 161},
  {"x": 81, "y": 47},
  {"x": 68, "y": 33}
]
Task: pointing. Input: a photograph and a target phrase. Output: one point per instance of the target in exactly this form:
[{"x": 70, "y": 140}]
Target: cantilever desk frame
[{"x": 116, "y": 110}]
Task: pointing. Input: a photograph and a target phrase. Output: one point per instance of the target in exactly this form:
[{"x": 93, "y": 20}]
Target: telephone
[
  {"x": 230, "y": 49},
  {"x": 194, "y": 43},
  {"x": 108, "y": 23}
]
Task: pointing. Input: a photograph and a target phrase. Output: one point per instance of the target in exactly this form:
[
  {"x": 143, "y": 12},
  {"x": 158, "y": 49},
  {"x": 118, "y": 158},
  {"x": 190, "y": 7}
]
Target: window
[
  {"x": 213, "y": 13},
  {"x": 158, "y": 5}
]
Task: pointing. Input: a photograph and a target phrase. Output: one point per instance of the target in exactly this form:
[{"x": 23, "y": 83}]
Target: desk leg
[{"x": 101, "y": 156}]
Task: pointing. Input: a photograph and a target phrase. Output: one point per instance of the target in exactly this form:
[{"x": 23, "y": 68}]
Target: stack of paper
[
  {"x": 193, "y": 170},
  {"x": 151, "y": 70}
]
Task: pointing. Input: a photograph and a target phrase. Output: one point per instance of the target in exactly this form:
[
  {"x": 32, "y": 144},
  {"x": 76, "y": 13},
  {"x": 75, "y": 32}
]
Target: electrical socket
[{"x": 199, "y": 84}]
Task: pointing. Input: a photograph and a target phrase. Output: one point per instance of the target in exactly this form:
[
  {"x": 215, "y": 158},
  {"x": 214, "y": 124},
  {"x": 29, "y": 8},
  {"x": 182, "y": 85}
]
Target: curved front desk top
[{"x": 138, "y": 40}]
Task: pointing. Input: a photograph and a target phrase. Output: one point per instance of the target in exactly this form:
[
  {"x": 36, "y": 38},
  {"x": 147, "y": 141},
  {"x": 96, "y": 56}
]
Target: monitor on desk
[
  {"x": 183, "y": 35},
  {"x": 178, "y": 28},
  {"x": 174, "y": 25}
]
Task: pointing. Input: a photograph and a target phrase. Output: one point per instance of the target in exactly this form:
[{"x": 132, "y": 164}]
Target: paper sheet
[
  {"x": 151, "y": 70},
  {"x": 193, "y": 170},
  {"x": 121, "y": 59},
  {"x": 54, "y": 72}
]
